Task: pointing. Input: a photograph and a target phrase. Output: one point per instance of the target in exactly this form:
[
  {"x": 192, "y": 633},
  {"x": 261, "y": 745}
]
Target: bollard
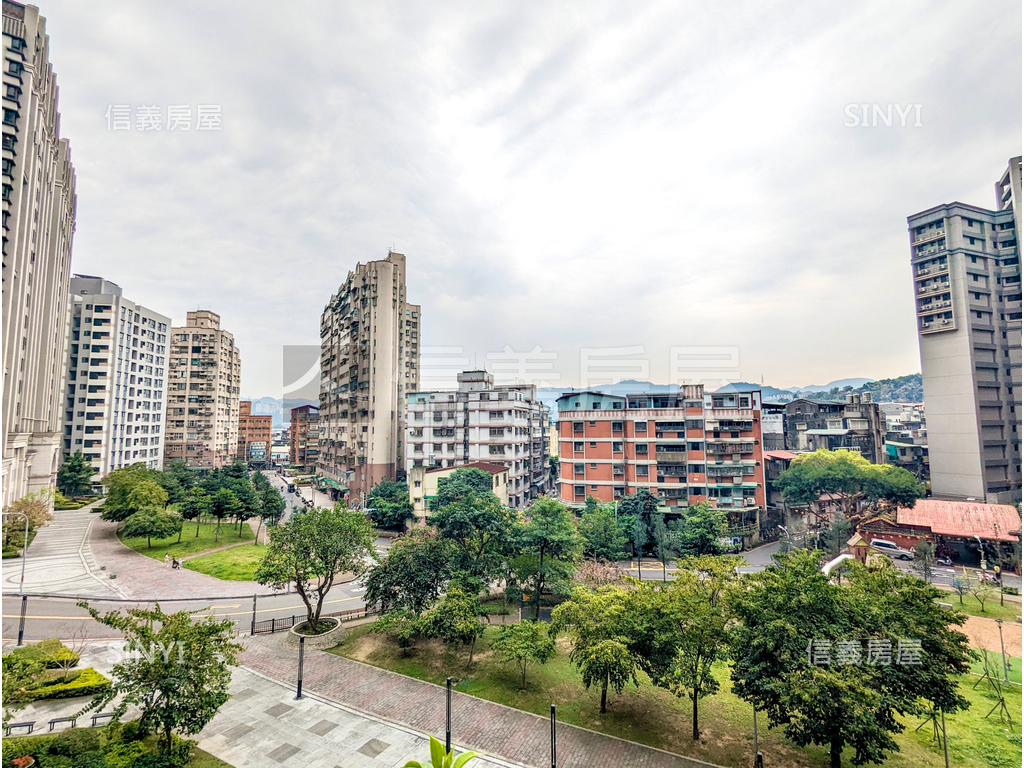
[
  {"x": 302, "y": 653},
  {"x": 21, "y": 621},
  {"x": 554, "y": 749},
  {"x": 448, "y": 716},
  {"x": 252, "y": 631}
]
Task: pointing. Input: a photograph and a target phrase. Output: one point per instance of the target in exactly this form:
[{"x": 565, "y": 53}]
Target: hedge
[
  {"x": 52, "y": 654},
  {"x": 113, "y": 746},
  {"x": 86, "y": 682}
]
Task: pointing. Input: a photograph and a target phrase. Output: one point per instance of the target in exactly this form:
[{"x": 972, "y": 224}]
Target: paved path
[
  {"x": 516, "y": 736},
  {"x": 61, "y": 560}
]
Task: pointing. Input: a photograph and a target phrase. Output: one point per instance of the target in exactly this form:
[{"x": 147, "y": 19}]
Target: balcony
[{"x": 928, "y": 235}]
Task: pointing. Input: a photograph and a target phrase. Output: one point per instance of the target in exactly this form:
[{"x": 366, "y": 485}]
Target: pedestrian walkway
[
  {"x": 60, "y": 559},
  {"x": 509, "y": 734}
]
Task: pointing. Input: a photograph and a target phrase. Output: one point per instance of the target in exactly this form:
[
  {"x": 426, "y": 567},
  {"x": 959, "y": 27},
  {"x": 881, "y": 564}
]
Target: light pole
[
  {"x": 1002, "y": 651},
  {"x": 24, "y": 550}
]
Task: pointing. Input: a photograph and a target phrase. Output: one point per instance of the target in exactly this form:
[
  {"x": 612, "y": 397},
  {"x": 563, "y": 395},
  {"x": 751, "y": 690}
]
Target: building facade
[
  {"x": 255, "y": 434},
  {"x": 369, "y": 360},
  {"x": 116, "y": 378},
  {"x": 38, "y": 227},
  {"x": 854, "y": 425},
  {"x": 202, "y": 393},
  {"x": 684, "y": 448},
  {"x": 423, "y": 485},
  {"x": 304, "y": 437},
  {"x": 967, "y": 293},
  {"x": 481, "y": 421}
]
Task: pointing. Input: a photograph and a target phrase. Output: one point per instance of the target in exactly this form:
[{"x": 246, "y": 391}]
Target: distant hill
[
  {"x": 275, "y": 407},
  {"x": 902, "y": 389},
  {"x": 769, "y": 393},
  {"x": 833, "y": 385}
]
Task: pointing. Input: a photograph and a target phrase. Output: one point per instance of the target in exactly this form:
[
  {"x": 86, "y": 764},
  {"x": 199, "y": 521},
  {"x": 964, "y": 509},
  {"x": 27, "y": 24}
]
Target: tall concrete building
[
  {"x": 369, "y": 360},
  {"x": 202, "y": 393},
  {"x": 479, "y": 422},
  {"x": 255, "y": 434},
  {"x": 38, "y": 226},
  {"x": 967, "y": 291},
  {"x": 304, "y": 437},
  {"x": 853, "y": 425},
  {"x": 116, "y": 378}
]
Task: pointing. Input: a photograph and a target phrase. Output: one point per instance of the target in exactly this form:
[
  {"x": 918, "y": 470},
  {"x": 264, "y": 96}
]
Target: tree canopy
[{"x": 75, "y": 475}]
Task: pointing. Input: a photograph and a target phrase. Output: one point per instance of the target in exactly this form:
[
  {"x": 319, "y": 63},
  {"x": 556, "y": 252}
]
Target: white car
[{"x": 892, "y": 549}]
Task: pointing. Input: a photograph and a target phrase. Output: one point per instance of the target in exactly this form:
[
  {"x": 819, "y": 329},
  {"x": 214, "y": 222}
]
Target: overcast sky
[{"x": 562, "y": 176}]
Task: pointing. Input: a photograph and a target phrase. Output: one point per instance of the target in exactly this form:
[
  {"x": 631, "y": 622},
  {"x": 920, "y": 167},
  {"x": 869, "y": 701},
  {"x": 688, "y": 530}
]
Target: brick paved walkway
[{"x": 477, "y": 724}]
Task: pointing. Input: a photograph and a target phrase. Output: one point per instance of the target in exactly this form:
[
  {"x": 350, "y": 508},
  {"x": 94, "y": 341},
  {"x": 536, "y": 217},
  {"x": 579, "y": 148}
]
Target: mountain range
[{"x": 902, "y": 389}]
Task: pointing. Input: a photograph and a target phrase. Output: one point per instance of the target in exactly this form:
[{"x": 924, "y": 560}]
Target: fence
[{"x": 279, "y": 624}]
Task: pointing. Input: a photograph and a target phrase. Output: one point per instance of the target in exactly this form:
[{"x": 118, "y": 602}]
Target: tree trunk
[
  {"x": 523, "y": 664},
  {"x": 199, "y": 521},
  {"x": 696, "y": 727},
  {"x": 472, "y": 648},
  {"x": 664, "y": 570},
  {"x": 216, "y": 533},
  {"x": 604, "y": 696},
  {"x": 149, "y": 545},
  {"x": 168, "y": 740},
  {"x": 835, "y": 753},
  {"x": 639, "y": 577},
  {"x": 179, "y": 534},
  {"x": 536, "y": 597}
]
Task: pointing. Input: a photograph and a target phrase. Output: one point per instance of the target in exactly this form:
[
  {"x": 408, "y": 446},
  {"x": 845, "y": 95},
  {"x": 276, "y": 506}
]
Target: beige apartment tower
[
  {"x": 38, "y": 225},
  {"x": 369, "y": 360},
  {"x": 202, "y": 393},
  {"x": 967, "y": 292}
]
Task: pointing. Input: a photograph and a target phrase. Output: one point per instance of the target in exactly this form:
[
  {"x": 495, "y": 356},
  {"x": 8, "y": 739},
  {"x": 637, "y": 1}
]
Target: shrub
[
  {"x": 75, "y": 742},
  {"x": 1011, "y": 591},
  {"x": 88, "y": 682},
  {"x": 52, "y": 654}
]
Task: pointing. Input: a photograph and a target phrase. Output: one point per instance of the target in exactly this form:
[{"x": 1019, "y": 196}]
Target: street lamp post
[{"x": 24, "y": 550}]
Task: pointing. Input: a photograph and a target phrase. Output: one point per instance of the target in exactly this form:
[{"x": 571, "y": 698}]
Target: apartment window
[
  {"x": 641, "y": 449},
  {"x": 640, "y": 427},
  {"x": 577, "y": 447},
  {"x": 642, "y": 470}
]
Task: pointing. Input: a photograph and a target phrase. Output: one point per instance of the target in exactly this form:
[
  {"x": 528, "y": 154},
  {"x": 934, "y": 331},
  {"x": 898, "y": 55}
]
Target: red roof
[
  {"x": 964, "y": 519},
  {"x": 486, "y": 466},
  {"x": 781, "y": 455}
]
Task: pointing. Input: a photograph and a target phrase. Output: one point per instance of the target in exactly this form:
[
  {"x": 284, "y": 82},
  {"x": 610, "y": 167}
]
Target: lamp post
[
  {"x": 448, "y": 716},
  {"x": 1002, "y": 651},
  {"x": 24, "y": 550}
]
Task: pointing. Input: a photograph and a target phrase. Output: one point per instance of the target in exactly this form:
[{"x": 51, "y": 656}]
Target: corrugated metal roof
[
  {"x": 966, "y": 519},
  {"x": 782, "y": 455}
]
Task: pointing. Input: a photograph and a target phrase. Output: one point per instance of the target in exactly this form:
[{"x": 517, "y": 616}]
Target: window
[
  {"x": 642, "y": 470},
  {"x": 640, "y": 427}
]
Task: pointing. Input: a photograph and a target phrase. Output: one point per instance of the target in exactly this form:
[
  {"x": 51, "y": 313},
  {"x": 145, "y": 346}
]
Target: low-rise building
[
  {"x": 854, "y": 425},
  {"x": 481, "y": 421},
  {"x": 304, "y": 437},
  {"x": 255, "y": 434},
  {"x": 423, "y": 484}
]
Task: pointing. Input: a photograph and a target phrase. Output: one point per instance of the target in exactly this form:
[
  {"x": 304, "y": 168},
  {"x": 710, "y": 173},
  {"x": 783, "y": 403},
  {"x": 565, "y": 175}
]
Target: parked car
[{"x": 892, "y": 549}]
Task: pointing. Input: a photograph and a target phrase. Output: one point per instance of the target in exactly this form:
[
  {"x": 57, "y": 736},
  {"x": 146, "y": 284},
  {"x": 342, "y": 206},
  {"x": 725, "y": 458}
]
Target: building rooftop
[
  {"x": 963, "y": 519},
  {"x": 781, "y": 455}
]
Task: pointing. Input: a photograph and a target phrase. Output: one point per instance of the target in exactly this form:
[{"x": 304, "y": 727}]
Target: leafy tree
[
  {"x": 412, "y": 575},
  {"x": 20, "y": 675},
  {"x": 962, "y": 585},
  {"x": 608, "y": 663},
  {"x": 642, "y": 505},
  {"x": 638, "y": 537},
  {"x": 602, "y": 537},
  {"x": 924, "y": 559},
  {"x": 696, "y": 605},
  {"x": 663, "y": 544},
  {"x": 455, "y": 620},
  {"x": 248, "y": 502},
  {"x": 224, "y": 504},
  {"x": 551, "y": 546},
  {"x": 597, "y": 573},
  {"x": 981, "y": 591},
  {"x": 179, "y": 479},
  {"x": 272, "y": 506},
  {"x": 701, "y": 530},
  {"x": 401, "y": 627},
  {"x": 523, "y": 644},
  {"x": 34, "y": 506},
  {"x": 120, "y": 484},
  {"x": 177, "y": 671},
  {"x": 147, "y": 494},
  {"x": 833, "y": 538},
  {"x": 389, "y": 506},
  {"x": 153, "y": 523},
  {"x": 310, "y": 550},
  {"x": 790, "y": 612},
  {"x": 484, "y": 531},
  {"x": 75, "y": 475},
  {"x": 194, "y": 505}
]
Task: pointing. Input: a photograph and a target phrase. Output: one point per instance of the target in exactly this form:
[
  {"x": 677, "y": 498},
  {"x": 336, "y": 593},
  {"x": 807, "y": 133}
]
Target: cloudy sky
[{"x": 693, "y": 179}]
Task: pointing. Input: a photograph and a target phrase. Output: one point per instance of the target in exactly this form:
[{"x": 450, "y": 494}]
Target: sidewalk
[{"x": 510, "y": 734}]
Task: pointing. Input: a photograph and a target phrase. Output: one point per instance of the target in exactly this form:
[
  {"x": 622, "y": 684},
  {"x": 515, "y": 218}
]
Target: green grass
[
  {"x": 1009, "y": 611},
  {"x": 190, "y": 543},
  {"x": 654, "y": 716},
  {"x": 235, "y": 564},
  {"x": 994, "y": 661}
]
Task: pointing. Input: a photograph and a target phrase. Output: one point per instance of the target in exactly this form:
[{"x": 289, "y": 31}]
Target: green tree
[
  {"x": 224, "y": 504},
  {"x": 272, "y": 506},
  {"x": 416, "y": 569},
  {"x": 310, "y": 550},
  {"x": 20, "y": 674},
  {"x": 153, "y": 523},
  {"x": 120, "y": 484},
  {"x": 701, "y": 530},
  {"x": 664, "y": 543},
  {"x": 602, "y": 537},
  {"x": 924, "y": 559},
  {"x": 522, "y": 644},
  {"x": 468, "y": 481},
  {"x": 833, "y": 538},
  {"x": 608, "y": 663},
  {"x": 551, "y": 546},
  {"x": 799, "y": 654},
  {"x": 176, "y": 672},
  {"x": 248, "y": 501},
  {"x": 642, "y": 505},
  {"x": 181, "y": 477},
  {"x": 75, "y": 475},
  {"x": 145, "y": 494},
  {"x": 638, "y": 537},
  {"x": 389, "y": 506},
  {"x": 194, "y": 505},
  {"x": 455, "y": 620},
  {"x": 400, "y": 627}
]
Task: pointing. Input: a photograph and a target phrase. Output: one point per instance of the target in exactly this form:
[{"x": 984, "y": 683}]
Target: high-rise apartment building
[
  {"x": 38, "y": 226},
  {"x": 967, "y": 292},
  {"x": 855, "y": 424},
  {"x": 369, "y": 360},
  {"x": 684, "y": 448},
  {"x": 304, "y": 437},
  {"x": 202, "y": 393},
  {"x": 255, "y": 434},
  {"x": 481, "y": 422},
  {"x": 116, "y": 378}
]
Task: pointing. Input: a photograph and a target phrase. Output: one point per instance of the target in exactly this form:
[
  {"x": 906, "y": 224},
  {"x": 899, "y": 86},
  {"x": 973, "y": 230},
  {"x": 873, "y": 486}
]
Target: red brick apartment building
[
  {"x": 255, "y": 434},
  {"x": 684, "y": 448}
]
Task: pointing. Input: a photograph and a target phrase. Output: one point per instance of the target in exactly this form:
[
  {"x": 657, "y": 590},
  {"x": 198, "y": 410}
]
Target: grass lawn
[
  {"x": 654, "y": 716},
  {"x": 1009, "y": 611},
  {"x": 235, "y": 564},
  {"x": 190, "y": 543},
  {"x": 994, "y": 660}
]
